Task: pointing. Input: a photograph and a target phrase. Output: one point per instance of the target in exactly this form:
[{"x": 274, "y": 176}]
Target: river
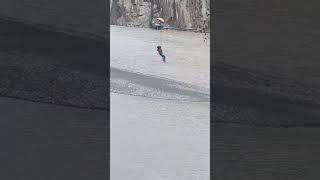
[
  {"x": 160, "y": 112},
  {"x": 188, "y": 55}
]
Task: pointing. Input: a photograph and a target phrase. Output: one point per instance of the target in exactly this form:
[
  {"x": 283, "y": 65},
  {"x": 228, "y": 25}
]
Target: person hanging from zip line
[{"x": 159, "y": 49}]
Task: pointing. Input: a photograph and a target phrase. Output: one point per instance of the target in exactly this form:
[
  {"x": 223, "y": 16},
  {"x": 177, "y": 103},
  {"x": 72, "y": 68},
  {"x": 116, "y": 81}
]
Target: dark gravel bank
[
  {"x": 35, "y": 78},
  {"x": 41, "y": 65},
  {"x": 246, "y": 96}
]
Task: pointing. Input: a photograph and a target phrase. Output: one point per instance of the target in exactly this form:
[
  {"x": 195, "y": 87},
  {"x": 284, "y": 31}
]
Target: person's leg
[{"x": 163, "y": 58}]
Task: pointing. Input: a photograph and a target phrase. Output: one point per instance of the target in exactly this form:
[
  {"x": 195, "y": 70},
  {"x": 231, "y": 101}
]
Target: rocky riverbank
[
  {"x": 34, "y": 78},
  {"x": 246, "y": 96},
  {"x": 56, "y": 68}
]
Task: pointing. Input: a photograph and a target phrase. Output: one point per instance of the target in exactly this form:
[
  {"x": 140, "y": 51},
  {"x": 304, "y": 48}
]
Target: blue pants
[{"x": 163, "y": 57}]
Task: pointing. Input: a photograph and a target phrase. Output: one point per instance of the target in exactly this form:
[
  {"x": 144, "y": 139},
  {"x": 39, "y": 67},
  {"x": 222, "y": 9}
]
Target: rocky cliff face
[{"x": 184, "y": 14}]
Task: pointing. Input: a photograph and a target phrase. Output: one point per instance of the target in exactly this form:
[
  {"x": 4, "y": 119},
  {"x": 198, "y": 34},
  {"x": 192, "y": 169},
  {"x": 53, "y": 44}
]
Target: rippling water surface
[
  {"x": 154, "y": 138},
  {"x": 159, "y": 139},
  {"x": 188, "y": 55}
]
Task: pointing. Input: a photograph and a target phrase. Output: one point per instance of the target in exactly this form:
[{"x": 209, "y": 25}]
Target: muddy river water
[{"x": 153, "y": 137}]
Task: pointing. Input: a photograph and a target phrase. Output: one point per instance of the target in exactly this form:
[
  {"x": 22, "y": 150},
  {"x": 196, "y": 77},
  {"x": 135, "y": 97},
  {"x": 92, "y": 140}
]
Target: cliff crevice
[{"x": 182, "y": 14}]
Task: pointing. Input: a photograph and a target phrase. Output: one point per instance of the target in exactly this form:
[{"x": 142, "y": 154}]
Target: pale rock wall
[{"x": 184, "y": 14}]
